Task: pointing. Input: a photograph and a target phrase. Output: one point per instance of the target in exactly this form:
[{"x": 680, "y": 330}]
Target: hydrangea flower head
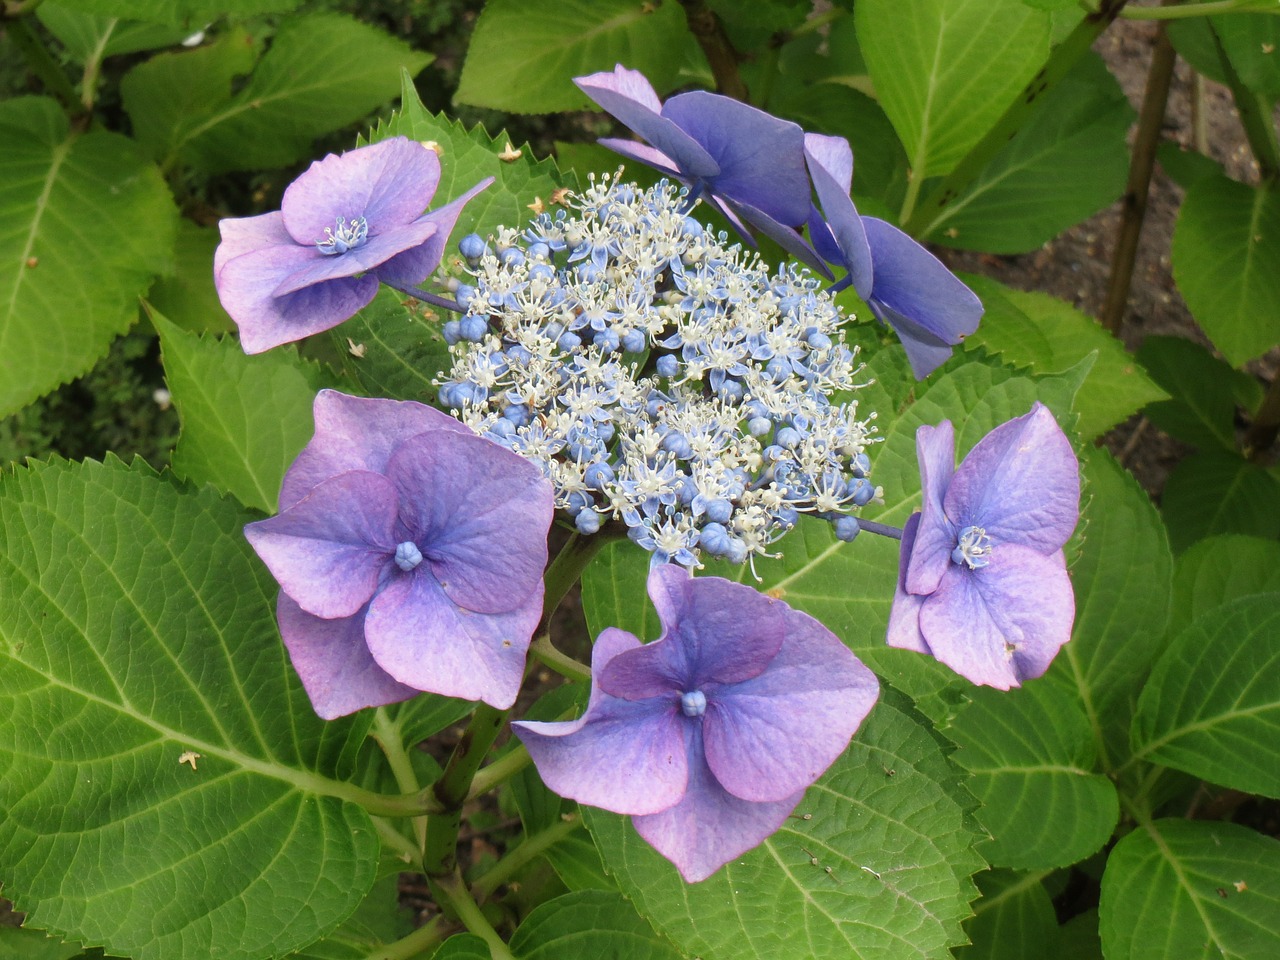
[
  {"x": 348, "y": 223},
  {"x": 409, "y": 554},
  {"x": 748, "y": 163},
  {"x": 709, "y": 736},
  {"x": 905, "y": 285},
  {"x": 982, "y": 582}
]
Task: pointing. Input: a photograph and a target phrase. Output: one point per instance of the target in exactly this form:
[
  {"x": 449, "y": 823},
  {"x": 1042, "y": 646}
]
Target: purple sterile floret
[
  {"x": 905, "y": 285},
  {"x": 745, "y": 162},
  {"x": 348, "y": 223},
  {"x": 407, "y": 536},
  {"x": 982, "y": 581},
  {"x": 709, "y": 736}
]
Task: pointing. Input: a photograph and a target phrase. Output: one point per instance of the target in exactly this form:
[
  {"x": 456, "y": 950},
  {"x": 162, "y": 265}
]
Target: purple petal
[
  {"x": 904, "y": 616},
  {"x": 936, "y": 536},
  {"x": 414, "y": 266},
  {"x": 420, "y": 637},
  {"x": 244, "y": 234},
  {"x": 1021, "y": 483},
  {"x": 371, "y": 254},
  {"x": 628, "y": 757},
  {"x": 388, "y": 183},
  {"x": 830, "y": 163},
  {"x": 479, "y": 513},
  {"x": 629, "y": 97},
  {"x": 1003, "y": 623},
  {"x": 710, "y": 826},
  {"x": 925, "y": 351},
  {"x": 355, "y": 433},
  {"x": 774, "y": 735},
  {"x": 786, "y": 237},
  {"x": 334, "y": 663},
  {"x": 714, "y": 631},
  {"x": 329, "y": 549},
  {"x": 761, "y": 158},
  {"x": 642, "y": 153}
]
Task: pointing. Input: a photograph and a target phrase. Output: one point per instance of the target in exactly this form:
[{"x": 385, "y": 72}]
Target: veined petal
[
  {"x": 366, "y": 257},
  {"x": 242, "y": 235},
  {"x": 329, "y": 550},
  {"x": 935, "y": 536},
  {"x": 786, "y": 237},
  {"x": 628, "y": 757},
  {"x": 334, "y": 663},
  {"x": 830, "y": 163},
  {"x": 904, "y": 616},
  {"x": 710, "y": 826},
  {"x": 414, "y": 265},
  {"x": 642, "y": 153},
  {"x": 423, "y": 639},
  {"x": 1004, "y": 623},
  {"x": 926, "y": 351},
  {"x": 774, "y": 735}
]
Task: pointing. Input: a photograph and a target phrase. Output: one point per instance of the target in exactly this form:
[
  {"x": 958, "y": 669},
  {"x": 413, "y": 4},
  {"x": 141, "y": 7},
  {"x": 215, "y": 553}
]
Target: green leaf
[
  {"x": 1115, "y": 387},
  {"x": 321, "y": 72},
  {"x": 613, "y": 592},
  {"x": 87, "y": 223},
  {"x": 751, "y": 26},
  {"x": 1122, "y": 581},
  {"x": 1183, "y": 166},
  {"x": 244, "y": 418},
  {"x": 524, "y": 54},
  {"x": 378, "y": 921},
  {"x": 191, "y": 14},
  {"x": 187, "y": 296},
  {"x": 1078, "y": 938},
  {"x": 393, "y": 348},
  {"x": 899, "y": 883},
  {"x": 139, "y": 630},
  {"x": 1031, "y": 757},
  {"x": 1219, "y": 569},
  {"x": 1075, "y": 140},
  {"x": 89, "y": 38},
  {"x": 1249, "y": 40},
  {"x": 947, "y": 70},
  {"x": 18, "y": 943},
  {"x": 1193, "y": 890},
  {"x": 1218, "y": 492},
  {"x": 1013, "y": 920},
  {"x": 1226, "y": 262},
  {"x": 588, "y": 923},
  {"x": 1212, "y": 706},
  {"x": 1205, "y": 392}
]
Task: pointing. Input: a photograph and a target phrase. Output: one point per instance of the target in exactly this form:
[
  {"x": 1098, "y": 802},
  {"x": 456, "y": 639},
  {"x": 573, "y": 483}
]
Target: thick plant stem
[
  {"x": 440, "y": 855},
  {"x": 1255, "y": 116},
  {"x": 387, "y": 735},
  {"x": 1141, "y": 165},
  {"x": 454, "y": 892},
  {"x": 926, "y": 215},
  {"x": 416, "y": 943},
  {"x": 880, "y": 529},
  {"x": 500, "y": 771},
  {"x": 533, "y": 846},
  {"x": 1266, "y": 425},
  {"x": 709, "y": 32}
]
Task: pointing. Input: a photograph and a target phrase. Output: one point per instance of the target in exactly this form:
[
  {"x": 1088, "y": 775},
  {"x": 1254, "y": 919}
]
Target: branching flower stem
[
  {"x": 387, "y": 735},
  {"x": 533, "y": 846},
  {"x": 880, "y": 529},
  {"x": 454, "y": 891},
  {"x": 426, "y": 936}
]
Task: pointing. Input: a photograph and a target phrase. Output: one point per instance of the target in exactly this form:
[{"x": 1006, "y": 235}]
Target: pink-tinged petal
[
  {"x": 714, "y": 631},
  {"x": 329, "y": 550},
  {"x": 628, "y": 757},
  {"x": 420, "y": 637},
  {"x": 710, "y": 826},
  {"x": 357, "y": 433},
  {"x": 366, "y": 257},
  {"x": 388, "y": 183},
  {"x": 334, "y": 663},
  {"x": 244, "y": 234},
  {"x": 774, "y": 735},
  {"x": 760, "y": 157},
  {"x": 1021, "y": 483},
  {"x": 830, "y": 163},
  {"x": 936, "y": 536},
  {"x": 1003, "y": 623},
  {"x": 904, "y": 616},
  {"x": 479, "y": 513},
  {"x": 642, "y": 153},
  {"x": 414, "y": 265}
]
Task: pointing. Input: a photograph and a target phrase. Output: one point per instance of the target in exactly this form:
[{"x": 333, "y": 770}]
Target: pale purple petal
[
  {"x": 243, "y": 234},
  {"x": 830, "y": 163},
  {"x": 925, "y": 351},
  {"x": 479, "y": 513},
  {"x": 642, "y": 153},
  {"x": 388, "y": 183},
  {"x": 1021, "y": 483},
  {"x": 357, "y": 433},
  {"x": 936, "y": 536},
  {"x": 365, "y": 257},
  {"x": 788, "y": 238},
  {"x": 329, "y": 550},
  {"x": 710, "y": 826},
  {"x": 334, "y": 663},
  {"x": 415, "y": 265},
  {"x": 904, "y": 615},
  {"x": 420, "y": 637},
  {"x": 628, "y": 757},
  {"x": 774, "y": 735},
  {"x": 1003, "y": 623}
]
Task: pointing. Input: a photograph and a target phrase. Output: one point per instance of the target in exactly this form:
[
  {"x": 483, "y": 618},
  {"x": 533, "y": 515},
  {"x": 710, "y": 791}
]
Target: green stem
[
  {"x": 1266, "y": 425},
  {"x": 416, "y": 943},
  {"x": 1188, "y": 10},
  {"x": 533, "y": 846},
  {"x": 543, "y": 651},
  {"x": 398, "y": 843},
  {"x": 451, "y": 790},
  {"x": 566, "y": 569},
  {"x": 1255, "y": 116},
  {"x": 500, "y": 771},
  {"x": 454, "y": 891},
  {"x": 387, "y": 735},
  {"x": 926, "y": 216},
  {"x": 42, "y": 64}
]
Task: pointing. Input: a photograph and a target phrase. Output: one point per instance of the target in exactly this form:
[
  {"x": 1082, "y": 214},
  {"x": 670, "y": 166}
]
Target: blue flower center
[
  {"x": 408, "y": 555},
  {"x": 693, "y": 704},
  {"x": 344, "y": 235},
  {"x": 974, "y": 548}
]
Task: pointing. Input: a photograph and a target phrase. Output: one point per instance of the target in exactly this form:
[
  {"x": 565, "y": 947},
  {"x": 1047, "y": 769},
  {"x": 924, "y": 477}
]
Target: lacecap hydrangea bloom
[
  {"x": 660, "y": 378},
  {"x": 410, "y": 555},
  {"x": 709, "y": 736},
  {"x": 350, "y": 222},
  {"x": 982, "y": 582}
]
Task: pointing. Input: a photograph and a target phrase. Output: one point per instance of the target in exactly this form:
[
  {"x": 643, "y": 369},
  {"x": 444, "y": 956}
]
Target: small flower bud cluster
[{"x": 660, "y": 377}]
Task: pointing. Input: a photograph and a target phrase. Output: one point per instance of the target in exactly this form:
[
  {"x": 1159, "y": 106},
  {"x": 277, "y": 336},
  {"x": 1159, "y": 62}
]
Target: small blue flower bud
[
  {"x": 511, "y": 257},
  {"x": 860, "y": 465},
  {"x": 465, "y": 294},
  {"x": 472, "y": 328},
  {"x": 451, "y": 331},
  {"x": 472, "y": 246},
  {"x": 788, "y": 437},
  {"x": 678, "y": 444},
  {"x": 539, "y": 251},
  {"x": 597, "y": 475},
  {"x": 667, "y": 365},
  {"x": 606, "y": 340},
  {"x": 568, "y": 342},
  {"x": 633, "y": 341},
  {"x": 542, "y": 271},
  {"x": 408, "y": 556},
  {"x": 587, "y": 522},
  {"x": 719, "y": 511},
  {"x": 693, "y": 703},
  {"x": 861, "y": 490},
  {"x": 846, "y": 528},
  {"x": 759, "y": 426}
]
